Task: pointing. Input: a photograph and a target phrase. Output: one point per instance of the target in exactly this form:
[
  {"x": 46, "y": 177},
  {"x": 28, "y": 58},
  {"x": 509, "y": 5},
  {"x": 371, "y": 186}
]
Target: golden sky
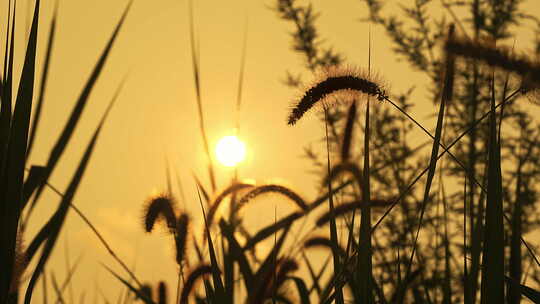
[{"x": 155, "y": 117}]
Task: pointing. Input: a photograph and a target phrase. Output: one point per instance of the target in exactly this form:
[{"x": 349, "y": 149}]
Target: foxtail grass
[
  {"x": 499, "y": 57},
  {"x": 181, "y": 237},
  {"x": 273, "y": 188},
  {"x": 216, "y": 203},
  {"x": 336, "y": 83},
  {"x": 159, "y": 207}
]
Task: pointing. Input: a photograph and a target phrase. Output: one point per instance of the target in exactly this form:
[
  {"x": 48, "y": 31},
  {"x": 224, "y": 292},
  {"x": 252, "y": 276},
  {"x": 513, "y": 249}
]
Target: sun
[{"x": 230, "y": 151}]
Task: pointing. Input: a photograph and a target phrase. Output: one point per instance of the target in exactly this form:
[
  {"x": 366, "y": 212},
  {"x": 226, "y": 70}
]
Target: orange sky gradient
[{"x": 155, "y": 118}]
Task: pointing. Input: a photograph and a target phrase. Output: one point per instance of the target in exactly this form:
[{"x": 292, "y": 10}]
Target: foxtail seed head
[
  {"x": 337, "y": 84},
  {"x": 161, "y": 206},
  {"x": 180, "y": 238}
]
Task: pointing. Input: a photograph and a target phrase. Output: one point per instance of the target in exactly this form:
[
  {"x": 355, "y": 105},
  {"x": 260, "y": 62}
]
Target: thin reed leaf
[
  {"x": 399, "y": 294},
  {"x": 492, "y": 287},
  {"x": 228, "y": 270},
  {"x": 7, "y": 84},
  {"x": 467, "y": 284},
  {"x": 238, "y": 254},
  {"x": 69, "y": 128},
  {"x": 143, "y": 296},
  {"x": 33, "y": 180},
  {"x": 301, "y": 289},
  {"x": 71, "y": 271},
  {"x": 162, "y": 293},
  {"x": 57, "y": 288},
  {"x": 198, "y": 249},
  {"x": 196, "y": 76},
  {"x": 168, "y": 177},
  {"x": 447, "y": 286},
  {"x": 348, "y": 133},
  {"x": 45, "y": 230},
  {"x": 513, "y": 294},
  {"x": 531, "y": 294},
  {"x": 333, "y": 229},
  {"x": 454, "y": 142},
  {"x": 265, "y": 272},
  {"x": 12, "y": 173},
  {"x": 317, "y": 278},
  {"x": 52, "y": 229},
  {"x": 241, "y": 80},
  {"x": 218, "y": 283},
  {"x": 43, "y": 83},
  {"x": 203, "y": 190},
  {"x": 365, "y": 263},
  {"x": 446, "y": 95},
  {"x": 315, "y": 281}
]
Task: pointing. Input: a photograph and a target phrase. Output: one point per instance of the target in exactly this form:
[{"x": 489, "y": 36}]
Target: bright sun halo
[{"x": 230, "y": 151}]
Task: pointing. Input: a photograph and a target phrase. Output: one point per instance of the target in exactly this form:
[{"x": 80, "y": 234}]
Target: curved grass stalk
[
  {"x": 272, "y": 188},
  {"x": 192, "y": 278},
  {"x": 220, "y": 197},
  {"x": 345, "y": 167}
]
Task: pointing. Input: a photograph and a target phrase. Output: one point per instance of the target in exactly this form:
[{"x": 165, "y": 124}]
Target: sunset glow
[{"x": 230, "y": 151}]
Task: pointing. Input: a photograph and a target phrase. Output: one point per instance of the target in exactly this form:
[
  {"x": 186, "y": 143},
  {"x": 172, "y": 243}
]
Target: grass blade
[
  {"x": 446, "y": 97},
  {"x": 196, "y": 76},
  {"x": 13, "y": 172},
  {"x": 43, "y": 84},
  {"x": 136, "y": 291},
  {"x": 80, "y": 105},
  {"x": 33, "y": 180},
  {"x": 218, "y": 283},
  {"x": 202, "y": 189},
  {"x": 5, "y": 111},
  {"x": 447, "y": 286},
  {"x": 531, "y": 294},
  {"x": 238, "y": 254},
  {"x": 57, "y": 289},
  {"x": 348, "y": 133},
  {"x": 333, "y": 229},
  {"x": 302, "y": 290},
  {"x": 57, "y": 220},
  {"x": 515, "y": 247},
  {"x": 365, "y": 267},
  {"x": 492, "y": 287}
]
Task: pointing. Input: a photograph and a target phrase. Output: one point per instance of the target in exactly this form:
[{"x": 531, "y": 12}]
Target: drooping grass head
[{"x": 337, "y": 84}]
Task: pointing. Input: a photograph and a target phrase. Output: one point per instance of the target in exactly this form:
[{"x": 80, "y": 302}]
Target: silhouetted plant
[{"x": 419, "y": 39}]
